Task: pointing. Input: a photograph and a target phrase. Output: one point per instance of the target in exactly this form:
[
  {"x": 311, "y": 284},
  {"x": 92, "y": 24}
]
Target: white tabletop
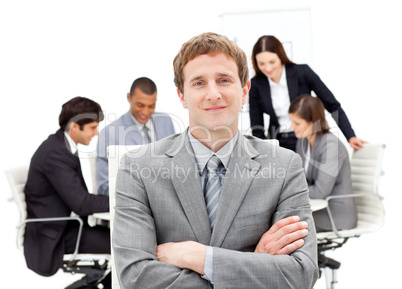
[
  {"x": 318, "y": 204},
  {"x": 103, "y": 216},
  {"x": 92, "y": 219}
]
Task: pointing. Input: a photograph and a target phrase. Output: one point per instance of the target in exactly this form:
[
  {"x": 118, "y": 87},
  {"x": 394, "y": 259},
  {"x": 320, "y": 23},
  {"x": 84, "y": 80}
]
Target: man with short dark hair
[
  {"x": 56, "y": 188},
  {"x": 140, "y": 125}
]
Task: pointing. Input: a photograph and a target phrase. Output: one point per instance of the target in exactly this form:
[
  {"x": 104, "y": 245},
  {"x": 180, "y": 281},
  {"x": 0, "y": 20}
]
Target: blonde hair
[{"x": 209, "y": 43}]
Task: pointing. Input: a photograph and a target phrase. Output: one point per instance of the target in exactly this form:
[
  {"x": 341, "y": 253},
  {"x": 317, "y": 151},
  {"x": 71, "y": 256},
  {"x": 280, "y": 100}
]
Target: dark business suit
[
  {"x": 301, "y": 79},
  {"x": 55, "y": 188}
]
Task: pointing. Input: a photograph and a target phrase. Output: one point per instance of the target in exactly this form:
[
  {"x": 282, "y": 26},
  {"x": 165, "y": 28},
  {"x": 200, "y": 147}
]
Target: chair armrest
[
  {"x": 356, "y": 195},
  {"x": 75, "y": 218},
  {"x": 353, "y": 196}
]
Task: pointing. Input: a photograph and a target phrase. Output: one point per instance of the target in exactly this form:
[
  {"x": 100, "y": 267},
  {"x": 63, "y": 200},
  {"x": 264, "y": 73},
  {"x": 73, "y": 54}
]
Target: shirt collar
[
  {"x": 139, "y": 125},
  {"x": 72, "y": 145},
  {"x": 203, "y": 154}
]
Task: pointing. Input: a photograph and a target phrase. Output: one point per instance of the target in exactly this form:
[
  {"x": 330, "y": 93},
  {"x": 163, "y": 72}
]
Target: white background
[{"x": 51, "y": 51}]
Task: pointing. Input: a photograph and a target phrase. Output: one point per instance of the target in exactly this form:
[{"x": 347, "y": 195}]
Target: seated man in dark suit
[{"x": 56, "y": 188}]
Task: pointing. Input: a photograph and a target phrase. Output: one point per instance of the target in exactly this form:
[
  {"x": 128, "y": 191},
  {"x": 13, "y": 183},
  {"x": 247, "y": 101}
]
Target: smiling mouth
[{"x": 216, "y": 108}]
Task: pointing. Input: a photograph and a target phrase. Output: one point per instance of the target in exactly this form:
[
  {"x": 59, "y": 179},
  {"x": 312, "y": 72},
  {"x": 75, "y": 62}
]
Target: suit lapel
[
  {"x": 292, "y": 81},
  {"x": 131, "y": 130},
  {"x": 314, "y": 159},
  {"x": 69, "y": 154},
  {"x": 239, "y": 176},
  {"x": 158, "y": 126},
  {"x": 267, "y": 99},
  {"x": 188, "y": 188}
]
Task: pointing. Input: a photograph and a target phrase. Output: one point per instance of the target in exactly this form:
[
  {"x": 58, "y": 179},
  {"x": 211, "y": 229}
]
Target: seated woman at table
[{"x": 325, "y": 161}]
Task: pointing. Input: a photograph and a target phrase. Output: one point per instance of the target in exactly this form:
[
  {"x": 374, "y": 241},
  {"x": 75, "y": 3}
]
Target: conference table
[
  {"x": 316, "y": 205},
  {"x": 102, "y": 216}
]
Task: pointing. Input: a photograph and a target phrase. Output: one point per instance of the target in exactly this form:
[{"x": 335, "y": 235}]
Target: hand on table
[{"x": 356, "y": 143}]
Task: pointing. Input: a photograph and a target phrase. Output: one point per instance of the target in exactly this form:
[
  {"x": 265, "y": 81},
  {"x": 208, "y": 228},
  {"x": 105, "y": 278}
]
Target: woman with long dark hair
[{"x": 276, "y": 83}]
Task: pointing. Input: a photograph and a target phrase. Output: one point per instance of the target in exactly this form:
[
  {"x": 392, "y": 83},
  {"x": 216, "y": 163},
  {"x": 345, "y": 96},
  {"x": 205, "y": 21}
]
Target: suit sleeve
[
  {"x": 102, "y": 169},
  {"x": 330, "y": 102},
  {"x": 135, "y": 240},
  {"x": 327, "y": 167},
  {"x": 65, "y": 179},
  {"x": 256, "y": 112},
  {"x": 234, "y": 269}
]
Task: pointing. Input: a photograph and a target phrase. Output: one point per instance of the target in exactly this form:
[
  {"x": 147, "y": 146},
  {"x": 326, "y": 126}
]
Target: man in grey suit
[
  {"x": 182, "y": 223},
  {"x": 140, "y": 125}
]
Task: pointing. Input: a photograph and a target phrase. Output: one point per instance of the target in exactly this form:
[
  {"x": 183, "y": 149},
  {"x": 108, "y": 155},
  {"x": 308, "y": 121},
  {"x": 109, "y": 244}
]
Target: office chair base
[
  {"x": 93, "y": 272},
  {"x": 325, "y": 263}
]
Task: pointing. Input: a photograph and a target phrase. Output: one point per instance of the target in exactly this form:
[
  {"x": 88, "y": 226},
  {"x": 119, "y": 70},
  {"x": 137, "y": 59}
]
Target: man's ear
[
  {"x": 246, "y": 89},
  {"x": 74, "y": 126},
  {"x": 182, "y": 99},
  {"x": 128, "y": 97}
]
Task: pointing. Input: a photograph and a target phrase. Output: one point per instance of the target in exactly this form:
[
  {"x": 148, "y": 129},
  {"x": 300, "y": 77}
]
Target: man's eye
[
  {"x": 198, "y": 83},
  {"x": 224, "y": 81}
]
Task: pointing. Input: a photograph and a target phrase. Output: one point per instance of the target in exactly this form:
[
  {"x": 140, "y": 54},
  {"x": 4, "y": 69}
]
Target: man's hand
[
  {"x": 284, "y": 237},
  {"x": 189, "y": 254},
  {"x": 356, "y": 143}
]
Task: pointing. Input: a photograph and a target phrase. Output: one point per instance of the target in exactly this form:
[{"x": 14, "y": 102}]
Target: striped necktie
[
  {"x": 145, "y": 129},
  {"x": 212, "y": 189}
]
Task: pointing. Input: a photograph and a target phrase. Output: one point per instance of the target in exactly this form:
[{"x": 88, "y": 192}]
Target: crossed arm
[
  {"x": 283, "y": 238},
  {"x": 144, "y": 246}
]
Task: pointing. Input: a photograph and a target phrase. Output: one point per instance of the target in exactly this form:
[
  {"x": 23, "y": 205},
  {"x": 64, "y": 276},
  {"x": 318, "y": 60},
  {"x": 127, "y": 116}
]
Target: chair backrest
[
  {"x": 366, "y": 167},
  {"x": 92, "y": 168},
  {"x": 17, "y": 177},
  {"x": 115, "y": 154}
]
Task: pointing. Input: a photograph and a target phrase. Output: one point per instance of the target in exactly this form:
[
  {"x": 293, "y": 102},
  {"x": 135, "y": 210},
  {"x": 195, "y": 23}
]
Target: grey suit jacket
[
  {"x": 123, "y": 131},
  {"x": 159, "y": 199},
  {"x": 329, "y": 174}
]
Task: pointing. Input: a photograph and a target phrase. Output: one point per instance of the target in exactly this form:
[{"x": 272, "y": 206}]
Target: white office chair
[
  {"x": 366, "y": 167},
  {"x": 94, "y": 266},
  {"x": 92, "y": 168},
  {"x": 115, "y": 153}
]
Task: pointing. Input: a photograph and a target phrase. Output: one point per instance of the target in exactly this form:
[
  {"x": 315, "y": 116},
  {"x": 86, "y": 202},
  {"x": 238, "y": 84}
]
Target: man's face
[
  {"x": 85, "y": 135},
  {"x": 142, "y": 105},
  {"x": 212, "y": 92}
]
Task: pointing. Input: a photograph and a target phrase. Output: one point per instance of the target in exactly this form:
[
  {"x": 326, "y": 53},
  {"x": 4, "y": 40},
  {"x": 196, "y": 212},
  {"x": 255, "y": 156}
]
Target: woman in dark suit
[
  {"x": 276, "y": 83},
  {"x": 326, "y": 163}
]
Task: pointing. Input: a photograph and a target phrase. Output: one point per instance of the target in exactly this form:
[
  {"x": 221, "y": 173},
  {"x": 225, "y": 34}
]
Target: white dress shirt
[
  {"x": 281, "y": 101},
  {"x": 73, "y": 146}
]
